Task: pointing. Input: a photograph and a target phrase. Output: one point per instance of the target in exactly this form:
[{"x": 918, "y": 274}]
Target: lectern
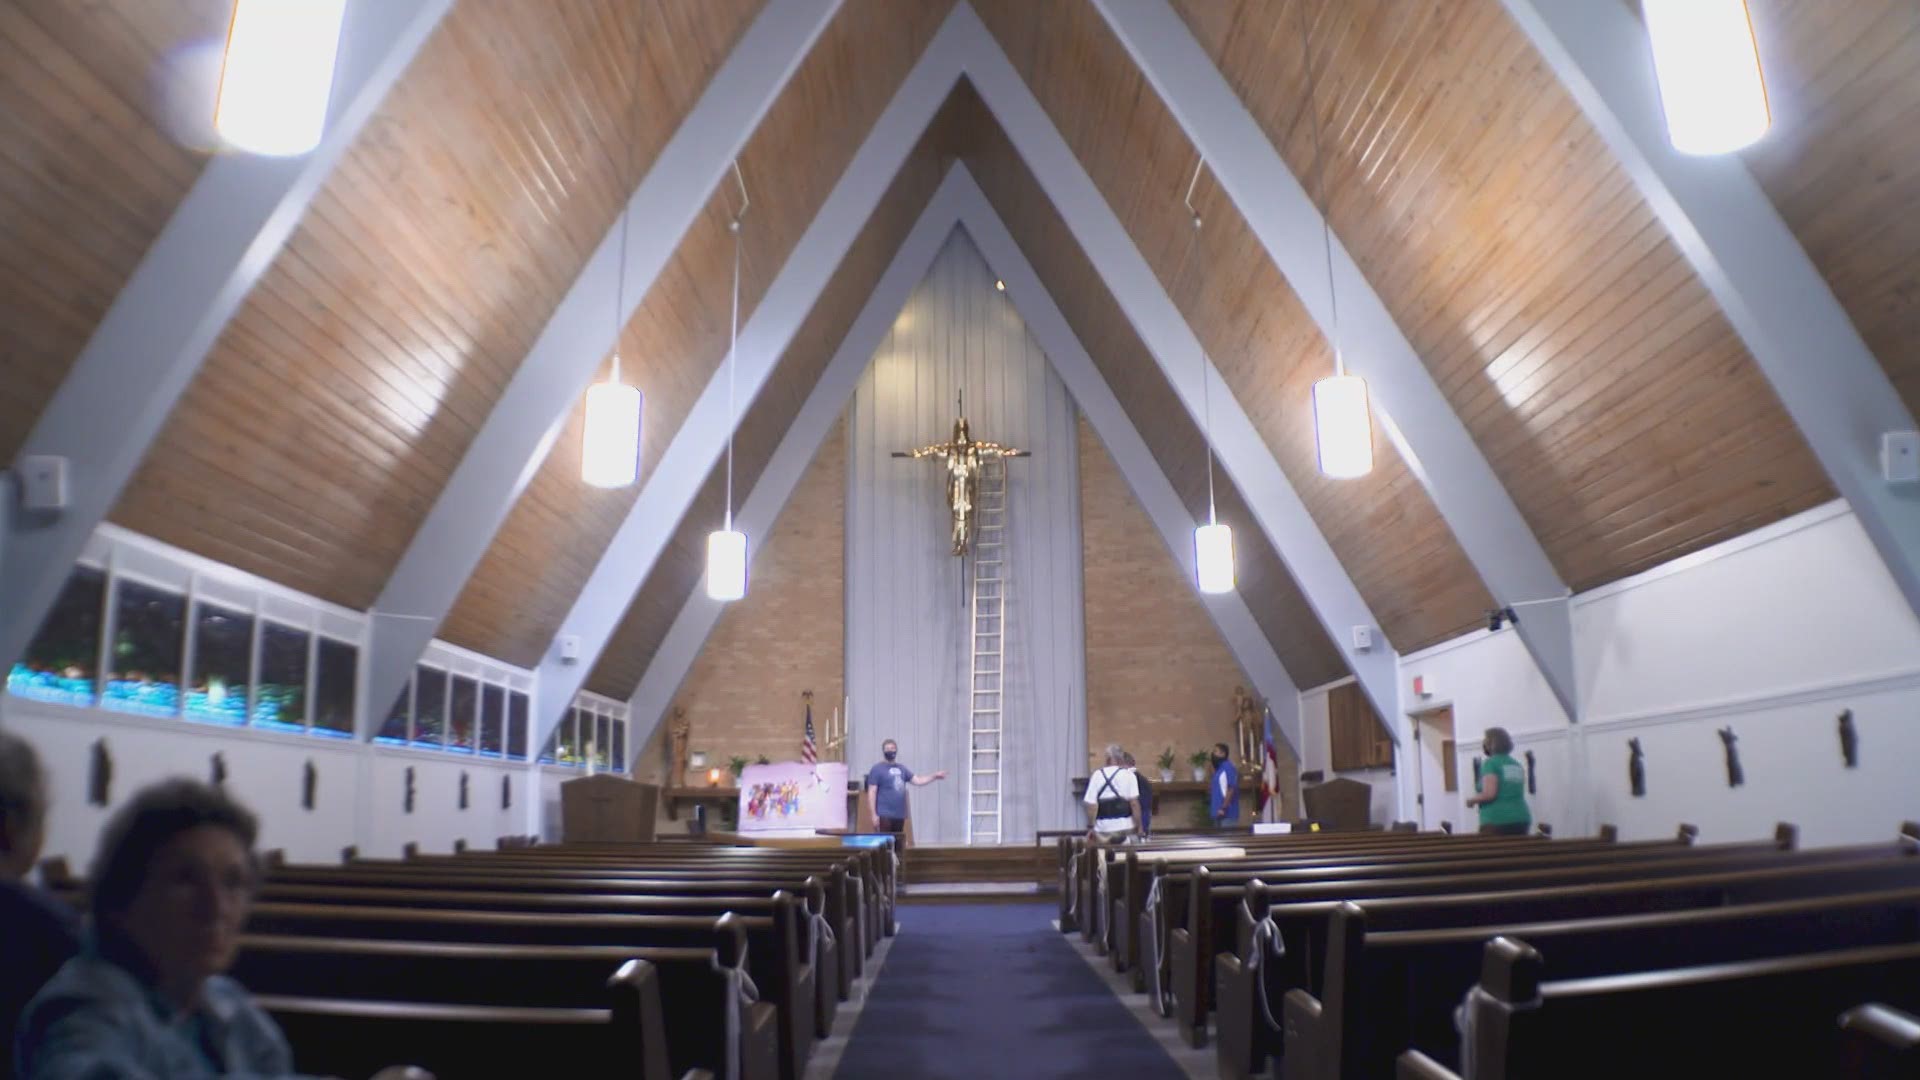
[{"x": 607, "y": 809}]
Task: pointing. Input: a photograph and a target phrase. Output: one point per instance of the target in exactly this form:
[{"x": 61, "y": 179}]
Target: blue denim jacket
[{"x": 97, "y": 1021}]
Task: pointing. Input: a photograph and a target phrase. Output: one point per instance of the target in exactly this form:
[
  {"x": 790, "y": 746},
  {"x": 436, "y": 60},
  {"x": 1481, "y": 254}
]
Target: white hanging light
[
  {"x": 1708, "y": 68},
  {"x": 726, "y": 564},
  {"x": 610, "y": 454},
  {"x": 1213, "y": 557},
  {"x": 278, "y": 75},
  {"x": 1343, "y": 426},
  {"x": 727, "y": 548}
]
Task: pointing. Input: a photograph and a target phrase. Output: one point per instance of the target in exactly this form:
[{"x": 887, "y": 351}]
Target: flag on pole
[
  {"x": 1269, "y": 809},
  {"x": 807, "y": 752}
]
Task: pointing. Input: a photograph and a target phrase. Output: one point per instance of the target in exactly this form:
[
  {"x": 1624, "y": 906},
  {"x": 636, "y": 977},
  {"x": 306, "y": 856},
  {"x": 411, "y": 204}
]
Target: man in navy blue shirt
[
  {"x": 887, "y": 789},
  {"x": 37, "y": 932},
  {"x": 1223, "y": 794}
]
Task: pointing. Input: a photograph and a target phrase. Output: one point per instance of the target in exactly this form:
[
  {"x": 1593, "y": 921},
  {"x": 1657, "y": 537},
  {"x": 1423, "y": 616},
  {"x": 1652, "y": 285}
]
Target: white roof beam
[
  {"x": 187, "y": 287},
  {"x": 675, "y": 481},
  {"x": 1149, "y": 484},
  {"x": 1165, "y": 332},
  {"x": 825, "y": 402},
  {"x": 1770, "y": 290},
  {"x": 1429, "y": 435},
  {"x": 513, "y": 443}
]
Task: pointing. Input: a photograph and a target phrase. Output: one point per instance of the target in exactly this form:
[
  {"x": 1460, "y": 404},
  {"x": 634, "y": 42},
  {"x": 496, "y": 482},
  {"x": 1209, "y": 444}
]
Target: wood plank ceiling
[
  {"x": 543, "y": 555},
  {"x": 334, "y": 408},
  {"x": 1842, "y": 163},
  {"x": 1176, "y": 442},
  {"x": 1386, "y": 531},
  {"x": 681, "y": 566},
  {"x": 1590, "y": 364},
  {"x": 89, "y": 174}
]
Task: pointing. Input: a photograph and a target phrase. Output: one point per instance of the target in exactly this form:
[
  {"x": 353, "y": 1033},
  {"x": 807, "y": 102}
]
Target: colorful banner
[{"x": 793, "y": 795}]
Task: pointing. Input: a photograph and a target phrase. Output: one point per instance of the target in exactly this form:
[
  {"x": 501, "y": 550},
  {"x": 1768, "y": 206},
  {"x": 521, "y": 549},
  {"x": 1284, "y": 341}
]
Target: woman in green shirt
[{"x": 1502, "y": 797}]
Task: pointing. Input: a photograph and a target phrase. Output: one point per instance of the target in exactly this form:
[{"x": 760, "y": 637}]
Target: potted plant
[
  {"x": 737, "y": 765},
  {"x": 1200, "y": 759},
  {"x": 1166, "y": 765}
]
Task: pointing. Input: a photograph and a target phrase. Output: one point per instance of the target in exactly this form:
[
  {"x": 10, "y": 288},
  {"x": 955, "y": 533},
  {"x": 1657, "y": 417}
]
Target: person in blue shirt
[
  {"x": 887, "y": 789},
  {"x": 1223, "y": 792},
  {"x": 38, "y": 933}
]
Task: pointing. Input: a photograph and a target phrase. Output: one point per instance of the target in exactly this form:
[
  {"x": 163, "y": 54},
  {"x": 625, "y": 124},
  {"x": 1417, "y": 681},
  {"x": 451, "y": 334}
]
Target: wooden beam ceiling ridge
[
  {"x": 525, "y": 422},
  {"x": 1148, "y": 482},
  {"x": 1772, "y": 293},
  {"x": 1172, "y": 342},
  {"x": 671, "y": 662},
  {"x": 1424, "y": 428},
  {"x": 160, "y": 328},
  {"x": 676, "y": 480}
]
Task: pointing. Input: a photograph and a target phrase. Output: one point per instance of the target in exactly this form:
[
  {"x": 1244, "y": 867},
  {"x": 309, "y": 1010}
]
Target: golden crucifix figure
[{"x": 963, "y": 455}]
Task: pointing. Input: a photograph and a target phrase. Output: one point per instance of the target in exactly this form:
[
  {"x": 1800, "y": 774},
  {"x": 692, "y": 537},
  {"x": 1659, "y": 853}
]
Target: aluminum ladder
[{"x": 985, "y": 720}]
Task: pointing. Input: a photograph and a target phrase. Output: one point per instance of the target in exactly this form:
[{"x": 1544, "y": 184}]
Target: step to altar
[{"x": 1019, "y": 864}]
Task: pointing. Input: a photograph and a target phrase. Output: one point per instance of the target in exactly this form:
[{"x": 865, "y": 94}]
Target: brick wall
[
  {"x": 1158, "y": 672},
  {"x": 743, "y": 694}
]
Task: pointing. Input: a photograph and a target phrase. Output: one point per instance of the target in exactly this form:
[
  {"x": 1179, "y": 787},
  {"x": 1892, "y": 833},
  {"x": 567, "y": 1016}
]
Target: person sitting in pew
[
  {"x": 1502, "y": 797},
  {"x": 37, "y": 932},
  {"x": 171, "y": 886}
]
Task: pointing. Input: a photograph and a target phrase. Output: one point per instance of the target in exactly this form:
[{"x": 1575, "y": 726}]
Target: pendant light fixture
[
  {"x": 727, "y": 548},
  {"x": 277, "y": 75},
  {"x": 1342, "y": 416},
  {"x": 610, "y": 450},
  {"x": 1212, "y": 542},
  {"x": 1707, "y": 65}
]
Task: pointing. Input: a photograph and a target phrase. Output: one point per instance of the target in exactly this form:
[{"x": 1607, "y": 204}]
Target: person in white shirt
[{"x": 1113, "y": 800}]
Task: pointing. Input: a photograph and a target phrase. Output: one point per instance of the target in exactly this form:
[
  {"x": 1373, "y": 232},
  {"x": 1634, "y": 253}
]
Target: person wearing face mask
[
  {"x": 1223, "y": 793},
  {"x": 37, "y": 932},
  {"x": 887, "y": 789},
  {"x": 171, "y": 886},
  {"x": 1502, "y": 797}
]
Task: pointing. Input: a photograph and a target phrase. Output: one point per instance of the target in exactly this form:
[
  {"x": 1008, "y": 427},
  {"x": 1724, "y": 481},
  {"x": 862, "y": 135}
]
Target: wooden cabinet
[{"x": 1358, "y": 740}]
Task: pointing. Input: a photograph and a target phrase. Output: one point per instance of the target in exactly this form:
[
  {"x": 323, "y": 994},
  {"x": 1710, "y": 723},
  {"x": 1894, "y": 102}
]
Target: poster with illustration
[{"x": 793, "y": 795}]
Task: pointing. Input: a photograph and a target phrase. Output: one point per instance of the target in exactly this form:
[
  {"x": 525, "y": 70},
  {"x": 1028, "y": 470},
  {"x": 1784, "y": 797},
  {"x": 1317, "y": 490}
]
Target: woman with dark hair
[
  {"x": 37, "y": 932},
  {"x": 171, "y": 886},
  {"x": 1502, "y": 797}
]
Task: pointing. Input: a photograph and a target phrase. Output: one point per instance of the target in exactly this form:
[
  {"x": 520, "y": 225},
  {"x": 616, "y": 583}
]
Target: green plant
[
  {"x": 1200, "y": 759},
  {"x": 1166, "y": 758},
  {"x": 736, "y": 765}
]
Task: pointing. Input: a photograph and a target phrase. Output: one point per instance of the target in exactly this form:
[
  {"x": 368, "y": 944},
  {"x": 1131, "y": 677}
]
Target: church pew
[
  {"x": 816, "y": 979},
  {"x": 1753, "y": 1018},
  {"x": 678, "y": 990},
  {"x": 840, "y": 906},
  {"x": 770, "y": 958},
  {"x": 1385, "y": 990},
  {"x": 1302, "y": 929}
]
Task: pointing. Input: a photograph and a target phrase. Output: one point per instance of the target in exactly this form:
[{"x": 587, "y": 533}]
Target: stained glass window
[
  {"x": 429, "y": 706},
  {"x": 571, "y": 748},
  {"x": 463, "y": 713},
  {"x": 393, "y": 730},
  {"x": 493, "y": 707},
  {"x": 222, "y": 665},
  {"x": 280, "y": 704},
  {"x": 603, "y": 742},
  {"x": 333, "y": 688},
  {"x": 149, "y": 634},
  {"x": 63, "y": 660},
  {"x": 517, "y": 726},
  {"x": 619, "y": 746}
]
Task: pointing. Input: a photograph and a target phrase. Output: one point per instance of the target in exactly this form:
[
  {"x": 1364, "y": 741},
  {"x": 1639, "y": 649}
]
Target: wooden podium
[{"x": 607, "y": 809}]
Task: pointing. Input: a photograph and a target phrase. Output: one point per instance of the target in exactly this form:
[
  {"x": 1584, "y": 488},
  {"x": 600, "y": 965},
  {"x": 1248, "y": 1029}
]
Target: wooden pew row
[
  {"x": 645, "y": 993},
  {"x": 833, "y": 965},
  {"x": 1303, "y": 928},
  {"x": 1754, "y": 1018},
  {"x": 771, "y": 963},
  {"x": 814, "y": 981},
  {"x": 1396, "y": 989}
]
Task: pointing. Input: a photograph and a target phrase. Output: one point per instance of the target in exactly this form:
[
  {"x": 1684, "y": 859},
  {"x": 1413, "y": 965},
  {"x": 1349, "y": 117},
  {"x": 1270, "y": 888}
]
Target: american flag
[
  {"x": 807, "y": 753},
  {"x": 1268, "y": 808}
]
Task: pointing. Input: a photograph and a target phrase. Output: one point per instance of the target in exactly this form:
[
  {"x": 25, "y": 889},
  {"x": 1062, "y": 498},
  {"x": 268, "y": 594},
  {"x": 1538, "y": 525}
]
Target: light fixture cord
[
  {"x": 733, "y": 345},
  {"x": 1320, "y": 182},
  {"x": 620, "y": 287},
  {"x": 1206, "y": 389}
]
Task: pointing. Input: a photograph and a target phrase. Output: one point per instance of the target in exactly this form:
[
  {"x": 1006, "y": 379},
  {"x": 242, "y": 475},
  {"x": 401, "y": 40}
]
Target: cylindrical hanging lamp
[
  {"x": 1707, "y": 64},
  {"x": 277, "y": 76},
  {"x": 610, "y": 453},
  {"x": 1213, "y": 557},
  {"x": 726, "y": 564},
  {"x": 1343, "y": 426}
]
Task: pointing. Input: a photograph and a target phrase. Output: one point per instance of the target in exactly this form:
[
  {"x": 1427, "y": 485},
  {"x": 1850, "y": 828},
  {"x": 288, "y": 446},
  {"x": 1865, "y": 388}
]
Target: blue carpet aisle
[{"x": 993, "y": 990}]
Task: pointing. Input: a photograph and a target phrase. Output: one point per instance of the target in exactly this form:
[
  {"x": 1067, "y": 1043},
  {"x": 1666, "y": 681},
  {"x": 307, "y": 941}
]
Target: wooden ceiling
[
  {"x": 1591, "y": 366},
  {"x": 88, "y": 175}
]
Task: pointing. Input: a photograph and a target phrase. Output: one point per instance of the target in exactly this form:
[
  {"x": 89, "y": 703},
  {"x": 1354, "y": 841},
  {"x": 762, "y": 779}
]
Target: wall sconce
[{"x": 713, "y": 777}]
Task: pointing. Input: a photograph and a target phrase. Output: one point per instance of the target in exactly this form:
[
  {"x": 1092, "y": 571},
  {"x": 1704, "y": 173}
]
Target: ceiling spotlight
[
  {"x": 999, "y": 285},
  {"x": 1499, "y": 616}
]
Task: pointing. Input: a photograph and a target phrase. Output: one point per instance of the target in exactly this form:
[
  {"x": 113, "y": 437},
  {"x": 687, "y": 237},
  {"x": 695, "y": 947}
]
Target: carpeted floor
[{"x": 993, "y": 990}]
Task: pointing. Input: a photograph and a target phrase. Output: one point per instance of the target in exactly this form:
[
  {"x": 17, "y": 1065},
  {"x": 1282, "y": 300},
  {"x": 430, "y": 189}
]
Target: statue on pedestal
[
  {"x": 1247, "y": 729},
  {"x": 681, "y": 734}
]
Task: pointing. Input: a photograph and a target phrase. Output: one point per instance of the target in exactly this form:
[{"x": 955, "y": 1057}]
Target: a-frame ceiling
[{"x": 1593, "y": 369}]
